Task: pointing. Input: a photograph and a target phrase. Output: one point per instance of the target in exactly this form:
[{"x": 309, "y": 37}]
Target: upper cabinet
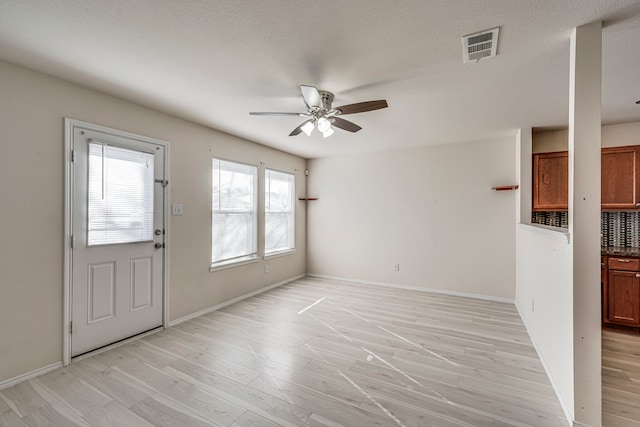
[
  {"x": 621, "y": 178},
  {"x": 550, "y": 181}
]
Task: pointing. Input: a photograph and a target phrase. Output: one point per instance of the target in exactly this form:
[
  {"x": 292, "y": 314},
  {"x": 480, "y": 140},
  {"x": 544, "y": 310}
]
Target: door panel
[
  {"x": 620, "y": 187},
  {"x": 117, "y": 270},
  {"x": 141, "y": 283},
  {"x": 551, "y": 181},
  {"x": 623, "y": 299},
  {"x": 101, "y": 292}
]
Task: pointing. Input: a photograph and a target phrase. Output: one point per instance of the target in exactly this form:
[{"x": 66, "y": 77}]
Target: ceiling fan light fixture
[
  {"x": 322, "y": 115},
  {"x": 307, "y": 128},
  {"x": 327, "y": 133},
  {"x": 323, "y": 125}
]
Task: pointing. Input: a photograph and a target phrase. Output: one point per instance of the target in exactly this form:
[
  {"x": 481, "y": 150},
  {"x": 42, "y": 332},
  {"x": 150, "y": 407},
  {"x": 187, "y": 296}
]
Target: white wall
[
  {"x": 544, "y": 297},
  {"x": 620, "y": 135},
  {"x": 32, "y": 110},
  {"x": 544, "y": 282},
  {"x": 432, "y": 210},
  {"x": 615, "y": 135},
  {"x": 557, "y": 272}
]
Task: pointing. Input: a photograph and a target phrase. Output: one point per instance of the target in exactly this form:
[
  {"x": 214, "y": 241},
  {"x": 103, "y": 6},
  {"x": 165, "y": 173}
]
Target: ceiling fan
[{"x": 320, "y": 114}]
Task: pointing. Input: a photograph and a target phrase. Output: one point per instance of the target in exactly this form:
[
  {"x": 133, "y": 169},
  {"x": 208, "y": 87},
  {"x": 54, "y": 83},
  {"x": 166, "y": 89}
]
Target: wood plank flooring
[
  {"x": 620, "y": 379},
  {"x": 313, "y": 353}
]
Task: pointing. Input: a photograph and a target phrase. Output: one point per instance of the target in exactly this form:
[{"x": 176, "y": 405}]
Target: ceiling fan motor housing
[{"x": 327, "y": 99}]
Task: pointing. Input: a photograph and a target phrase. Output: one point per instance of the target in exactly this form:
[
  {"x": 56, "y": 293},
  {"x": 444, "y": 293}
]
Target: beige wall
[
  {"x": 618, "y": 135},
  {"x": 32, "y": 109},
  {"x": 431, "y": 210}
]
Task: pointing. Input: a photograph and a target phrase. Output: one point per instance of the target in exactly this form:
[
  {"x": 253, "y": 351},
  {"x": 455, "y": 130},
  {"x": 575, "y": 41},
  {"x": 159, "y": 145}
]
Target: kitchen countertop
[{"x": 620, "y": 251}]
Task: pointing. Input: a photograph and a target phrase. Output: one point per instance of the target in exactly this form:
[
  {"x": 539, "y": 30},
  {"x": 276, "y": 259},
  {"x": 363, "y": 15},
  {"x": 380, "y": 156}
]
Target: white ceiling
[{"x": 213, "y": 61}]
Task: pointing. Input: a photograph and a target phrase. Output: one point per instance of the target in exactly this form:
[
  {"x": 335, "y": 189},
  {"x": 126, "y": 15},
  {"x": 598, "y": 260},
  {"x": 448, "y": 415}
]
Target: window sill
[
  {"x": 233, "y": 263},
  {"x": 279, "y": 254}
]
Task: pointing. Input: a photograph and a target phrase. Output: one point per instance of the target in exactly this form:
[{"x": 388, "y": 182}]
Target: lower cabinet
[{"x": 622, "y": 292}]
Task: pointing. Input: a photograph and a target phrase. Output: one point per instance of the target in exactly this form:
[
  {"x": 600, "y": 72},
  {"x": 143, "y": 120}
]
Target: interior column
[{"x": 584, "y": 218}]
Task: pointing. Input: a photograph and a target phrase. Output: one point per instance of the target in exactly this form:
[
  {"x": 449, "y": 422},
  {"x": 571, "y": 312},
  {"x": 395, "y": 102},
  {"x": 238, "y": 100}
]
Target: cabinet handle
[
  {"x": 637, "y": 274},
  {"x": 622, "y": 260},
  {"x": 637, "y": 205}
]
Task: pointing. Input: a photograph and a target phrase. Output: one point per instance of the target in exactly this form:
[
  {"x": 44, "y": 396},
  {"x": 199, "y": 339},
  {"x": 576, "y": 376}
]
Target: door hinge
[
  {"x": 72, "y": 242},
  {"x": 71, "y": 327},
  {"x": 73, "y": 155}
]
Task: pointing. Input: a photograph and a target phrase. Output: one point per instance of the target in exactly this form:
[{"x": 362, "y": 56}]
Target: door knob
[{"x": 159, "y": 245}]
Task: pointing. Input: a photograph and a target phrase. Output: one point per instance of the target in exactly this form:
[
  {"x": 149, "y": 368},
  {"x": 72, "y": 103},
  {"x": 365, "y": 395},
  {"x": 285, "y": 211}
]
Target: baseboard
[
  {"x": 29, "y": 375},
  {"x": 415, "y": 288},
  {"x": 231, "y": 301},
  {"x": 563, "y": 405}
]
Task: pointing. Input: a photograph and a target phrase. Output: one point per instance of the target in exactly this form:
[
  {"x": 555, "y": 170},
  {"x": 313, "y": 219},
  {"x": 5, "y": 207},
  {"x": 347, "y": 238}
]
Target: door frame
[{"x": 69, "y": 125}]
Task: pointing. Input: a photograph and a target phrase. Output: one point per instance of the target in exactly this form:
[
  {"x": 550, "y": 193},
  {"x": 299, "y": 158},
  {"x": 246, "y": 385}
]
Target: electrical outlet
[
  {"x": 396, "y": 267},
  {"x": 266, "y": 268},
  {"x": 176, "y": 209}
]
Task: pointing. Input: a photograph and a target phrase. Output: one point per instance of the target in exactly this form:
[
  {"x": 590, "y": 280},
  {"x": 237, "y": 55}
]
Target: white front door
[{"x": 117, "y": 227}]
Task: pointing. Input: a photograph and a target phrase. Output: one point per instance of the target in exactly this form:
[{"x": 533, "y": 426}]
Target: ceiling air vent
[{"x": 480, "y": 45}]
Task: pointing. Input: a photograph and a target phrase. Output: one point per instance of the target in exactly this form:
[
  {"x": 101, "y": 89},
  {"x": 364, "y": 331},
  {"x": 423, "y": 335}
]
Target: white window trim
[
  {"x": 250, "y": 258},
  {"x": 222, "y": 265},
  {"x": 288, "y": 251},
  {"x": 279, "y": 254}
]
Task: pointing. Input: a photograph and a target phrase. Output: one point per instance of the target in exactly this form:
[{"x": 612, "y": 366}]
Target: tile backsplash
[
  {"x": 620, "y": 229},
  {"x": 554, "y": 219},
  {"x": 616, "y": 228}
]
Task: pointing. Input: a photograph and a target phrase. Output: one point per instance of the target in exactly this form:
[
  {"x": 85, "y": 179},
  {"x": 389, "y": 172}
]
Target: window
[
  {"x": 120, "y": 202},
  {"x": 278, "y": 212},
  {"x": 234, "y": 219}
]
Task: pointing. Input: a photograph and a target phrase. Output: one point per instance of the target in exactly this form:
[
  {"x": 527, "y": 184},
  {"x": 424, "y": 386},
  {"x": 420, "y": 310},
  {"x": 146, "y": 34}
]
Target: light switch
[{"x": 176, "y": 209}]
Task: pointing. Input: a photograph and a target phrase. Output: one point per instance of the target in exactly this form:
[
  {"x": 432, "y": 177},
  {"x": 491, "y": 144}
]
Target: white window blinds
[
  {"x": 120, "y": 196},
  {"x": 234, "y": 218},
  {"x": 279, "y": 219}
]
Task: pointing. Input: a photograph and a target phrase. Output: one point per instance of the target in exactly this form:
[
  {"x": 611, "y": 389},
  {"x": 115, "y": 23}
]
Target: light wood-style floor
[
  {"x": 620, "y": 379},
  {"x": 314, "y": 353}
]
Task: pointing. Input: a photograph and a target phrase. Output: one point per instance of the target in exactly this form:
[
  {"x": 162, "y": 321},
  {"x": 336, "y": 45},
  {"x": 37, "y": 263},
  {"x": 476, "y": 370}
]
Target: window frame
[
  {"x": 292, "y": 213},
  {"x": 241, "y": 259}
]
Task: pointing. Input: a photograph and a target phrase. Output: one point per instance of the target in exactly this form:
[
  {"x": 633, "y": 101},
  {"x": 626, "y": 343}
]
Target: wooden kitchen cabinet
[
  {"x": 551, "y": 181},
  {"x": 622, "y": 292},
  {"x": 620, "y": 178}
]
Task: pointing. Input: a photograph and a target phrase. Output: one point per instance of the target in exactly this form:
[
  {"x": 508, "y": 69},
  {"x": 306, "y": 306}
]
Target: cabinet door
[
  {"x": 551, "y": 181},
  {"x": 620, "y": 178},
  {"x": 623, "y": 298}
]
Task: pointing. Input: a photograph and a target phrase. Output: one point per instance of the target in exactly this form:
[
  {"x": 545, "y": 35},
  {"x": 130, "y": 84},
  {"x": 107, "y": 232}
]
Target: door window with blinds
[
  {"x": 120, "y": 202},
  {"x": 278, "y": 216},
  {"x": 234, "y": 212}
]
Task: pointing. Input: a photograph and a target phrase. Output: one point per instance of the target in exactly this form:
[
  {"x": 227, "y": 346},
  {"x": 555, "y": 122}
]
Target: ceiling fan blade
[
  {"x": 345, "y": 124},
  {"x": 268, "y": 113},
  {"x": 311, "y": 96},
  {"x": 361, "y": 107},
  {"x": 298, "y": 130}
]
